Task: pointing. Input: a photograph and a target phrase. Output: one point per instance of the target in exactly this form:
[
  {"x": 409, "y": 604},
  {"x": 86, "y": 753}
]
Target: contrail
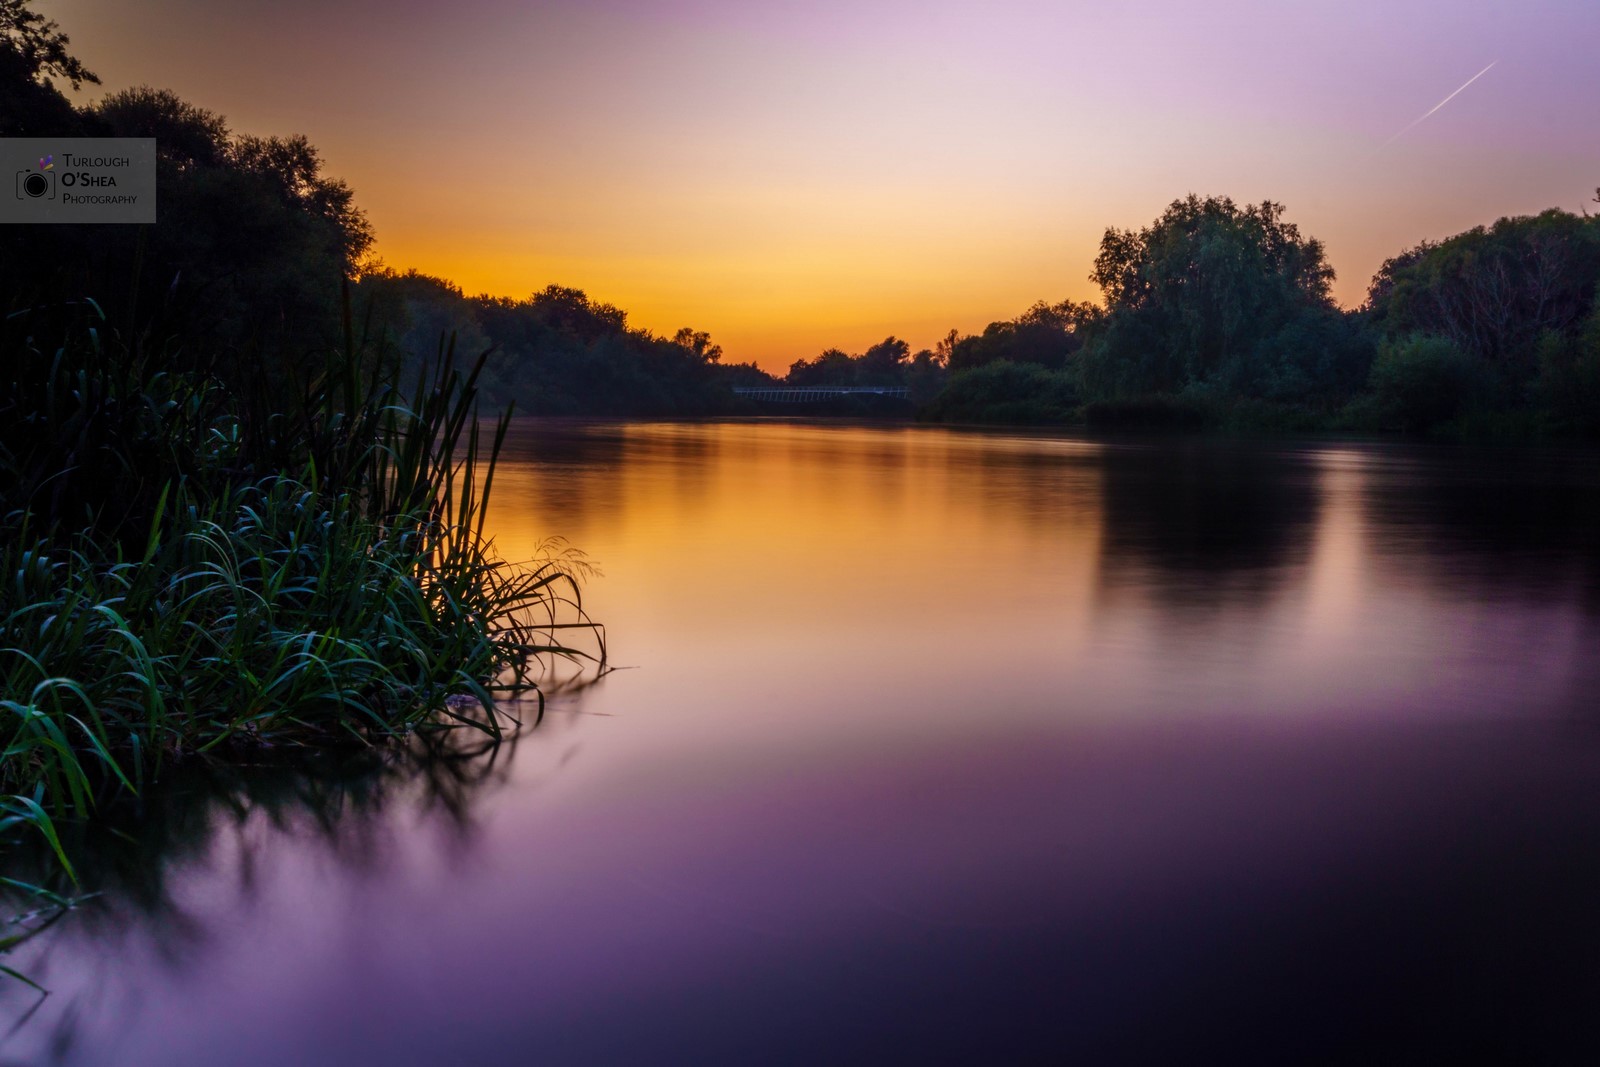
[{"x": 1440, "y": 104}]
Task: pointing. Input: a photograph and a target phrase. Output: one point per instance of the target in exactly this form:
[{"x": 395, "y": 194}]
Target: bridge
[{"x": 780, "y": 394}]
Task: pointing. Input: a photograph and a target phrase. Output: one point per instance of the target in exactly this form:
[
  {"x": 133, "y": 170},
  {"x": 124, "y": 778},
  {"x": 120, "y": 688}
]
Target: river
[{"x": 934, "y": 745}]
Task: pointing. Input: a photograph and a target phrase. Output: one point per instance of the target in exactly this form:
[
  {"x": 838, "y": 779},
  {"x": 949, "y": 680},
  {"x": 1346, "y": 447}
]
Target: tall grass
[{"x": 184, "y": 570}]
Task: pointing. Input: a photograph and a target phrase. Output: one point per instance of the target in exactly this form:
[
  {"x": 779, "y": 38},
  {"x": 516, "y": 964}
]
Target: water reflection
[
  {"x": 1225, "y": 511},
  {"x": 941, "y": 746},
  {"x": 1522, "y": 522},
  {"x": 228, "y": 824}
]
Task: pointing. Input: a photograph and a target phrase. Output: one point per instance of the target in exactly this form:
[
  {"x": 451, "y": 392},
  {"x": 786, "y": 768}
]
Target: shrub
[
  {"x": 1419, "y": 381},
  {"x": 184, "y": 573},
  {"x": 1568, "y": 385},
  {"x": 1006, "y": 392}
]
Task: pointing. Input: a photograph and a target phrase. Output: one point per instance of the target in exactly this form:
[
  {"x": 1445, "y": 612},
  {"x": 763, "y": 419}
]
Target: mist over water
[{"x": 937, "y": 745}]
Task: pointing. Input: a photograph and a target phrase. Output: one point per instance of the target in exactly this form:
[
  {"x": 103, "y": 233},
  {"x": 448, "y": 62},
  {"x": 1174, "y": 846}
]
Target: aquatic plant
[{"x": 185, "y": 572}]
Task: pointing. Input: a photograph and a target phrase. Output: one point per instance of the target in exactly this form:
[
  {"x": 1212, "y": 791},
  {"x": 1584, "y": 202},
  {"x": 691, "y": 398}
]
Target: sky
[{"x": 797, "y": 176}]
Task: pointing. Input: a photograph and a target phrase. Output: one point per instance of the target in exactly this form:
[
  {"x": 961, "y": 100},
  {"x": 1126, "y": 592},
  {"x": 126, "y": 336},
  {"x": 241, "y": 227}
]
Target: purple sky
[{"x": 792, "y": 176}]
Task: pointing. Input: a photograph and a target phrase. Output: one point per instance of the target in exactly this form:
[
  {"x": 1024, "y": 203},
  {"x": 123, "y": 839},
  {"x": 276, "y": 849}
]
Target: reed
[{"x": 183, "y": 571}]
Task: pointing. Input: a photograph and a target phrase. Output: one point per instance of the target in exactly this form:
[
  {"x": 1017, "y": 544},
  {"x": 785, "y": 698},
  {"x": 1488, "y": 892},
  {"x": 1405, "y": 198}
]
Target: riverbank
[
  {"x": 190, "y": 573},
  {"x": 1016, "y": 396}
]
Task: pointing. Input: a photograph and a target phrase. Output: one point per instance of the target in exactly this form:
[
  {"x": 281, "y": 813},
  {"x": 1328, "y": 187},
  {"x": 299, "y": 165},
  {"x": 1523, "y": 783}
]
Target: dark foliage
[
  {"x": 241, "y": 276},
  {"x": 1006, "y": 392},
  {"x": 890, "y": 362},
  {"x": 1494, "y": 291},
  {"x": 223, "y": 525},
  {"x": 1201, "y": 297},
  {"x": 1220, "y": 315},
  {"x": 557, "y": 352},
  {"x": 1045, "y": 335},
  {"x": 1145, "y": 413}
]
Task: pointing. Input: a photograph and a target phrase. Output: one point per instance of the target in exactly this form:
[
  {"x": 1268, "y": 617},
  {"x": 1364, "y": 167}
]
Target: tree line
[
  {"x": 260, "y": 265},
  {"x": 555, "y": 352},
  {"x": 1220, "y": 313},
  {"x": 1215, "y": 313}
]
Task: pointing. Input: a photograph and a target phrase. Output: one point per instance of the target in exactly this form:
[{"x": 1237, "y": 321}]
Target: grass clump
[{"x": 184, "y": 569}]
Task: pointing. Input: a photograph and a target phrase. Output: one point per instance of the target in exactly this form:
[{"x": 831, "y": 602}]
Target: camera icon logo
[{"x": 36, "y": 185}]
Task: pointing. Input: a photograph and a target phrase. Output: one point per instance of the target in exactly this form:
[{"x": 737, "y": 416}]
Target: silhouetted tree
[
  {"x": 186, "y": 135},
  {"x": 558, "y": 352},
  {"x": 40, "y": 45},
  {"x": 1493, "y": 291},
  {"x": 833, "y": 367},
  {"x": 1196, "y": 297},
  {"x": 884, "y": 363},
  {"x": 698, "y": 342},
  {"x": 1005, "y": 392},
  {"x": 570, "y": 310},
  {"x": 925, "y": 375},
  {"x": 1567, "y": 388},
  {"x": 33, "y": 52},
  {"x": 1046, "y": 334},
  {"x": 240, "y": 276},
  {"x": 1420, "y": 381},
  {"x": 292, "y": 168}
]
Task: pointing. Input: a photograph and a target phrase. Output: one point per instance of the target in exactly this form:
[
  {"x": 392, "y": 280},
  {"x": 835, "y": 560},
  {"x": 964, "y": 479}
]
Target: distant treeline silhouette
[
  {"x": 1214, "y": 315},
  {"x": 557, "y": 352},
  {"x": 1220, "y": 314}
]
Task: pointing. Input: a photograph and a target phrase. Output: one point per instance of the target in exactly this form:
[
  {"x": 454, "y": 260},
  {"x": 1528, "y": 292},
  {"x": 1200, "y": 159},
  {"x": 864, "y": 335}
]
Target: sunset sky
[{"x": 797, "y": 176}]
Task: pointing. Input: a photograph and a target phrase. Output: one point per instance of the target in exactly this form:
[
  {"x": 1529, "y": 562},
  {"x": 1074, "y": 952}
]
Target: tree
[
  {"x": 1203, "y": 244},
  {"x": 1046, "y": 334},
  {"x": 39, "y": 47},
  {"x": 292, "y": 168},
  {"x": 926, "y": 374},
  {"x": 1419, "y": 381},
  {"x": 884, "y": 363},
  {"x": 833, "y": 367},
  {"x": 1568, "y": 384},
  {"x": 699, "y": 343},
  {"x": 563, "y": 308},
  {"x": 185, "y": 135},
  {"x": 33, "y": 51},
  {"x": 1190, "y": 298},
  {"x": 1494, "y": 291},
  {"x": 1005, "y": 392}
]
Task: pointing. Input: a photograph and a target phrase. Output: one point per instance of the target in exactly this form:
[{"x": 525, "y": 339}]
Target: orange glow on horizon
[{"x": 794, "y": 178}]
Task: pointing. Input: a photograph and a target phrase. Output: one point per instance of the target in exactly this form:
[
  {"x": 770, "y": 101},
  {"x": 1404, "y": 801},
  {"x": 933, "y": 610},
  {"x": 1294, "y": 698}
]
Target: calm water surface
[{"x": 938, "y": 746}]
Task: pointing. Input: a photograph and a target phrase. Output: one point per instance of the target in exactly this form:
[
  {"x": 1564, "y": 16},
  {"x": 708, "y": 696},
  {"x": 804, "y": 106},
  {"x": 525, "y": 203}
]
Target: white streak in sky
[{"x": 1440, "y": 104}]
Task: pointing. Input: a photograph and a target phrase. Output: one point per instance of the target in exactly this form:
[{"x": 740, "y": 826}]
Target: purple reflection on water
[{"x": 1165, "y": 752}]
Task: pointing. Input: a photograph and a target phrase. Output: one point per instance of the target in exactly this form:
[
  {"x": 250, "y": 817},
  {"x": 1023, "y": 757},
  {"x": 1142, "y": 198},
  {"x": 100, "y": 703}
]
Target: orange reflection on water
[
  {"x": 1148, "y": 750},
  {"x": 777, "y": 581}
]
